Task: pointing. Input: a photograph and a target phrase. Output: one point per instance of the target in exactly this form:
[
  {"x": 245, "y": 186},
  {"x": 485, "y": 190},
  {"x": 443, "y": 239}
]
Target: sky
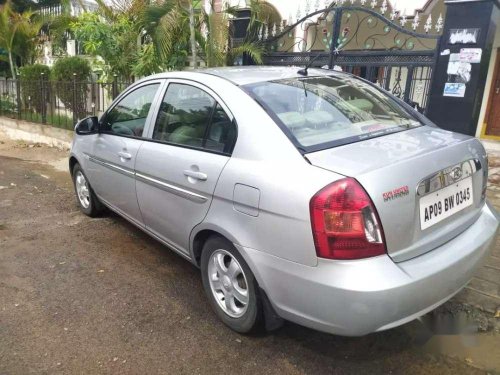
[
  {"x": 286, "y": 5},
  {"x": 409, "y": 5}
]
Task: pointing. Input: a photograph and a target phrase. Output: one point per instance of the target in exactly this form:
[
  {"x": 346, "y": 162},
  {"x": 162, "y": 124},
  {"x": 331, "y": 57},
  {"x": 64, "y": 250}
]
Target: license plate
[{"x": 444, "y": 203}]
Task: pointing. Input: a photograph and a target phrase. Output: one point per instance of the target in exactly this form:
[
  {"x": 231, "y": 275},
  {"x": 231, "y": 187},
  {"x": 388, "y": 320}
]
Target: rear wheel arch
[{"x": 199, "y": 239}]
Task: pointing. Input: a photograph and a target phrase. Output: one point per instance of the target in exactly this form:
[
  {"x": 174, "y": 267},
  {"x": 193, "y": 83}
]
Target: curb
[{"x": 20, "y": 130}]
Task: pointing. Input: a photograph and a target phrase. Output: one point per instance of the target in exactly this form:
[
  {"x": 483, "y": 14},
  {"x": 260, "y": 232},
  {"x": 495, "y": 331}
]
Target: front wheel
[
  {"x": 230, "y": 286},
  {"x": 87, "y": 201}
]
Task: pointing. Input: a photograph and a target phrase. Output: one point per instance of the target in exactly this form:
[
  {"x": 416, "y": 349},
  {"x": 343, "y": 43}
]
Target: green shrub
[
  {"x": 8, "y": 106},
  {"x": 70, "y": 89},
  {"x": 34, "y": 93}
]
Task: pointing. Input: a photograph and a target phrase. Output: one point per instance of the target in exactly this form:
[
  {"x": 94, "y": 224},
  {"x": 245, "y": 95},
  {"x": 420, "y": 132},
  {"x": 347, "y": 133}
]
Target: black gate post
[
  {"x": 1, "y": 95},
  {"x": 43, "y": 106},
  {"x": 409, "y": 79},
  {"x": 337, "y": 20},
  {"x": 18, "y": 93},
  {"x": 75, "y": 114},
  {"x": 114, "y": 86},
  {"x": 469, "y": 24}
]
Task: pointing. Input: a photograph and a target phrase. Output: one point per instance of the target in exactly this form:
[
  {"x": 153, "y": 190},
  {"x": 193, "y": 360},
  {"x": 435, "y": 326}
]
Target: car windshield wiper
[
  {"x": 409, "y": 124},
  {"x": 401, "y": 121}
]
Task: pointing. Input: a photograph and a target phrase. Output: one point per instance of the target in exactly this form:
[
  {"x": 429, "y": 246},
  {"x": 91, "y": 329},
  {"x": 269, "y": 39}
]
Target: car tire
[
  {"x": 88, "y": 203},
  {"x": 226, "y": 274}
]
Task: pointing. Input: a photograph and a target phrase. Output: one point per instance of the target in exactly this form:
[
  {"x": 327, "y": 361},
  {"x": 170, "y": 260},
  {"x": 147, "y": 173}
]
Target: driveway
[{"x": 81, "y": 295}]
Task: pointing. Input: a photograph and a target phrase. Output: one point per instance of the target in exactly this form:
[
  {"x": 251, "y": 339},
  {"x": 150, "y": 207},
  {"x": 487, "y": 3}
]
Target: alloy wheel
[
  {"x": 228, "y": 283},
  {"x": 82, "y": 189}
]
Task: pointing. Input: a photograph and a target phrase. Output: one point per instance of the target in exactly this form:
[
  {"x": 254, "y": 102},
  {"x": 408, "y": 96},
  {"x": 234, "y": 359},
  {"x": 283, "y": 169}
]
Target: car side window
[
  {"x": 128, "y": 116},
  {"x": 191, "y": 117},
  {"x": 184, "y": 115},
  {"x": 222, "y": 132}
]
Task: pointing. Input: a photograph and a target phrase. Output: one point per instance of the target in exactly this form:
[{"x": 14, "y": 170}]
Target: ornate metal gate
[{"x": 362, "y": 41}]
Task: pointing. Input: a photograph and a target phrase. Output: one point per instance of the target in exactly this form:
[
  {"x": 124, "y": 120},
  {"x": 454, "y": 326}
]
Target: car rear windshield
[{"x": 327, "y": 111}]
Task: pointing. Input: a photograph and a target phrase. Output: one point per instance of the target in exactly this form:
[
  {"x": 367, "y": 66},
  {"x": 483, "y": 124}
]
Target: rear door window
[
  {"x": 322, "y": 112},
  {"x": 222, "y": 132},
  {"x": 184, "y": 115},
  {"x": 189, "y": 116}
]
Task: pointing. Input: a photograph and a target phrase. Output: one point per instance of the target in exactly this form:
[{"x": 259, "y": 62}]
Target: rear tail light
[{"x": 345, "y": 223}]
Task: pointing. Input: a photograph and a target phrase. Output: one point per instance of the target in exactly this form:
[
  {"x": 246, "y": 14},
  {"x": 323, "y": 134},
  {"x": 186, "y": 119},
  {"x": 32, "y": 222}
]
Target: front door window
[{"x": 128, "y": 117}]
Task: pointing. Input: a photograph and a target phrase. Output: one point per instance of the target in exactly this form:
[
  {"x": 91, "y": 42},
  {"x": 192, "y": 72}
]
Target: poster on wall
[
  {"x": 470, "y": 55},
  {"x": 461, "y": 71},
  {"x": 458, "y": 71},
  {"x": 463, "y": 36},
  {"x": 456, "y": 90}
]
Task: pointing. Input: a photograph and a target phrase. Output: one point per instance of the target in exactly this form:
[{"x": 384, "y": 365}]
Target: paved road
[{"x": 81, "y": 295}]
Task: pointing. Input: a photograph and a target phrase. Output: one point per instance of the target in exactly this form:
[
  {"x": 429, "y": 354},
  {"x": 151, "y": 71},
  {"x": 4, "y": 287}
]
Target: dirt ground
[{"x": 81, "y": 295}]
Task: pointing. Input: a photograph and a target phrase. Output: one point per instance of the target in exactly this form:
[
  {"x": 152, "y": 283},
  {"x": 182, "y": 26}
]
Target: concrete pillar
[
  {"x": 469, "y": 26},
  {"x": 238, "y": 32}
]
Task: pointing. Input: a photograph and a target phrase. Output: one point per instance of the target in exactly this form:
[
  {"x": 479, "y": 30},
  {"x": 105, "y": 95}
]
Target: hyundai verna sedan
[{"x": 309, "y": 196}]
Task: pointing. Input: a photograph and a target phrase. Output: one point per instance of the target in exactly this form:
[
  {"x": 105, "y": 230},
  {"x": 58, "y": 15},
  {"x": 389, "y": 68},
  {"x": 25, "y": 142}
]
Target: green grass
[{"x": 57, "y": 120}]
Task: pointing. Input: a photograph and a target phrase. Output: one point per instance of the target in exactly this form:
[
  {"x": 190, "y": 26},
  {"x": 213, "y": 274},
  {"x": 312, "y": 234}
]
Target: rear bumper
[{"x": 354, "y": 298}]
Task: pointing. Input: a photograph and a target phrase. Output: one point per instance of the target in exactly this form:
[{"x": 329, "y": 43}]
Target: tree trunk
[
  {"x": 12, "y": 67},
  {"x": 194, "y": 57}
]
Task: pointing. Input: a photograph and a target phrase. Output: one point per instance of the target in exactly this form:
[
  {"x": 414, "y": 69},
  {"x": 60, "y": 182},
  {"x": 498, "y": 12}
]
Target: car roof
[{"x": 242, "y": 75}]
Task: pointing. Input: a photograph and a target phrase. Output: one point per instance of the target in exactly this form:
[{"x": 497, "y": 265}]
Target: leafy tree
[
  {"x": 32, "y": 90},
  {"x": 114, "y": 39},
  {"x": 168, "y": 26},
  {"x": 147, "y": 61},
  {"x": 18, "y": 33},
  {"x": 70, "y": 76},
  {"x": 177, "y": 60}
]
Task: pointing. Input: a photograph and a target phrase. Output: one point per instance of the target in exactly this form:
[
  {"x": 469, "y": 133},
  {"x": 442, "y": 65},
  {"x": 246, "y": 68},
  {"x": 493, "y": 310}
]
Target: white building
[{"x": 76, "y": 7}]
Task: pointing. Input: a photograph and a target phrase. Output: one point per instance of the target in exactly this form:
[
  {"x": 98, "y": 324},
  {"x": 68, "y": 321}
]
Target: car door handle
[
  {"x": 125, "y": 155},
  {"x": 194, "y": 174}
]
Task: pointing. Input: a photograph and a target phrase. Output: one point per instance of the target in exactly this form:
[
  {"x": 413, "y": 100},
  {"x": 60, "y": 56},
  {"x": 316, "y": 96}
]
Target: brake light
[{"x": 345, "y": 223}]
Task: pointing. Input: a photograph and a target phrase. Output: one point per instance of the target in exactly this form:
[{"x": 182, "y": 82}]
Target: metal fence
[
  {"x": 59, "y": 104},
  {"x": 361, "y": 41}
]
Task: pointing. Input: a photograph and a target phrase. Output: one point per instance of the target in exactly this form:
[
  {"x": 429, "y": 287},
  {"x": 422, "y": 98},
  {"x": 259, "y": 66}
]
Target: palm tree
[
  {"x": 217, "y": 26},
  {"x": 17, "y": 33},
  {"x": 171, "y": 25},
  {"x": 174, "y": 22}
]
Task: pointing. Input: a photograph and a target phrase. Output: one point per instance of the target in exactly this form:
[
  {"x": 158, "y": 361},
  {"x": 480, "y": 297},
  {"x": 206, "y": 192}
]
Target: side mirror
[{"x": 89, "y": 125}]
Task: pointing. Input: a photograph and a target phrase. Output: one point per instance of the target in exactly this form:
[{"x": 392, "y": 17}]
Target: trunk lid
[{"x": 404, "y": 171}]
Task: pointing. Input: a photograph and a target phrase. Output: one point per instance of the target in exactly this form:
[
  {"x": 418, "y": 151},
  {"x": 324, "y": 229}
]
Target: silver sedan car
[{"x": 306, "y": 195}]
